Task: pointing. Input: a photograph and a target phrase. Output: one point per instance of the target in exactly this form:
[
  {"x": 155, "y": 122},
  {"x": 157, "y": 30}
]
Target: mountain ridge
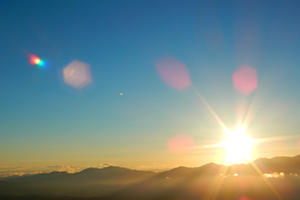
[
  {"x": 266, "y": 165},
  {"x": 122, "y": 183}
]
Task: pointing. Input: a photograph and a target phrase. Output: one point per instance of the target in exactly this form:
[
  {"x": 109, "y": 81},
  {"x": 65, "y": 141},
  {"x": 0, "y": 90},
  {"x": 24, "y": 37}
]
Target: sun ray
[
  {"x": 218, "y": 186},
  {"x": 217, "y": 118},
  {"x": 277, "y": 138},
  {"x": 245, "y": 124},
  {"x": 266, "y": 180},
  {"x": 249, "y": 115},
  {"x": 209, "y": 146}
]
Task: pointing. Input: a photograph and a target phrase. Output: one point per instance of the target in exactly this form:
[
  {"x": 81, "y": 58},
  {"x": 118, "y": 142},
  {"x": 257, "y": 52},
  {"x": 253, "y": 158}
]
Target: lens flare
[
  {"x": 173, "y": 73},
  {"x": 35, "y": 60},
  {"x": 77, "y": 75},
  {"x": 245, "y": 79},
  {"x": 181, "y": 145}
]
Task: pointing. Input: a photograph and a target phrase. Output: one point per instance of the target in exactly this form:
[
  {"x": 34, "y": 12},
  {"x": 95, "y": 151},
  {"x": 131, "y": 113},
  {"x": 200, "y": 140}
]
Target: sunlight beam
[
  {"x": 266, "y": 181},
  {"x": 217, "y": 118}
]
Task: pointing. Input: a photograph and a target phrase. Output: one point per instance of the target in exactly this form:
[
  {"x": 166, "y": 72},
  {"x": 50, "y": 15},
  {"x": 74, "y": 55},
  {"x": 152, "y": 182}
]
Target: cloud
[
  {"x": 78, "y": 168},
  {"x": 69, "y": 168},
  {"x": 20, "y": 173},
  {"x": 54, "y": 166},
  {"x": 102, "y": 165}
]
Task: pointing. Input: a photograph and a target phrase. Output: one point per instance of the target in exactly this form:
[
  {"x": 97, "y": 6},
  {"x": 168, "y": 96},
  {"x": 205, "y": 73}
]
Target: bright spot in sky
[
  {"x": 77, "y": 74},
  {"x": 181, "y": 145},
  {"x": 35, "y": 60},
  {"x": 238, "y": 145},
  {"x": 121, "y": 93},
  {"x": 173, "y": 73},
  {"x": 245, "y": 79}
]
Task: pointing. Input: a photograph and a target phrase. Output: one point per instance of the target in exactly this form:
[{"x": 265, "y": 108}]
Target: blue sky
[{"x": 45, "y": 122}]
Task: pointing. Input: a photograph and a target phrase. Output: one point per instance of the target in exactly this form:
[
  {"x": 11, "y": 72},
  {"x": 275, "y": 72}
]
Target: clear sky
[{"x": 47, "y": 125}]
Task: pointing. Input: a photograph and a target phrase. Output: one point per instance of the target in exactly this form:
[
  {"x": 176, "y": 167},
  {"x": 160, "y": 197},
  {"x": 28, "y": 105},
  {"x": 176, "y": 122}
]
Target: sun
[{"x": 238, "y": 146}]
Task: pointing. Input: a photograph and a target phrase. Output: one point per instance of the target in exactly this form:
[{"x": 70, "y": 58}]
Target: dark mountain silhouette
[
  {"x": 116, "y": 175},
  {"x": 210, "y": 181},
  {"x": 183, "y": 172},
  {"x": 37, "y": 177},
  {"x": 279, "y": 164},
  {"x": 112, "y": 175},
  {"x": 87, "y": 183},
  {"x": 213, "y": 181}
]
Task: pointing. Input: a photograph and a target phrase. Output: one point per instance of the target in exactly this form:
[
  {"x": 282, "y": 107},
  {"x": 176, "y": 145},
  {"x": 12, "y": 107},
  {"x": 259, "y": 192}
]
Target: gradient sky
[{"x": 47, "y": 125}]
